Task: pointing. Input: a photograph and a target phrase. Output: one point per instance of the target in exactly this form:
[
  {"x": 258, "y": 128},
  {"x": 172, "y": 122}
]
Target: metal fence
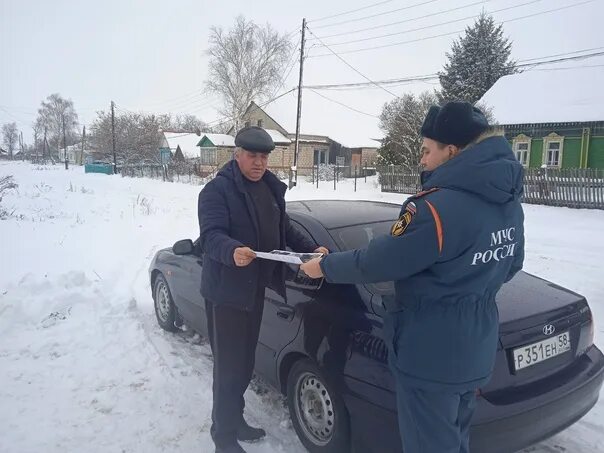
[
  {"x": 572, "y": 188},
  {"x": 394, "y": 178}
]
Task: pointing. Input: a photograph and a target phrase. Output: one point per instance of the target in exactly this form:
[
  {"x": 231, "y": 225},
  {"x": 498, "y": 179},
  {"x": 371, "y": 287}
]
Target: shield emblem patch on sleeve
[{"x": 401, "y": 224}]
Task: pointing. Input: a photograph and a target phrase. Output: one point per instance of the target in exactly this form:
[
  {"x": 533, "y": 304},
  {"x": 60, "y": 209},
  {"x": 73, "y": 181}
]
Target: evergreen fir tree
[{"x": 477, "y": 60}]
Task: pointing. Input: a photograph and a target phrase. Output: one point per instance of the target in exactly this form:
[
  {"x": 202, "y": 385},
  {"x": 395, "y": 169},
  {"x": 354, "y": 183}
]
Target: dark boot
[
  {"x": 246, "y": 433},
  {"x": 231, "y": 448}
]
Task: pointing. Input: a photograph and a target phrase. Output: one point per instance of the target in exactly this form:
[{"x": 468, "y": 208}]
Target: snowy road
[{"x": 85, "y": 366}]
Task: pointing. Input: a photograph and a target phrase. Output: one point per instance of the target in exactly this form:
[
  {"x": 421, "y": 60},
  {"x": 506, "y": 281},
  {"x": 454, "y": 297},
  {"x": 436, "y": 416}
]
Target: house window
[
  {"x": 553, "y": 147},
  {"x": 208, "y": 156},
  {"x": 553, "y": 154},
  {"x": 320, "y": 157},
  {"x": 522, "y": 149},
  {"x": 247, "y": 124},
  {"x": 260, "y": 122}
]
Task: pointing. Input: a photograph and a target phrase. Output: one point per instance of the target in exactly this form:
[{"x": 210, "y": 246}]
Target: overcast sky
[{"x": 150, "y": 55}]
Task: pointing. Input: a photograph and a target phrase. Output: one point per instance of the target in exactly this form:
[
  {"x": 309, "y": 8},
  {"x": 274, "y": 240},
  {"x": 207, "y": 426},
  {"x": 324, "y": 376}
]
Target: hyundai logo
[{"x": 548, "y": 329}]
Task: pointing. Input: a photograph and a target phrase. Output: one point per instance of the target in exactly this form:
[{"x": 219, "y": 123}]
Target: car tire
[
  {"x": 317, "y": 410},
  {"x": 165, "y": 310}
]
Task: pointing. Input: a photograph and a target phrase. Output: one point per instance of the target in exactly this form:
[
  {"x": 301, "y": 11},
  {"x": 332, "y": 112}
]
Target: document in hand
[{"x": 288, "y": 257}]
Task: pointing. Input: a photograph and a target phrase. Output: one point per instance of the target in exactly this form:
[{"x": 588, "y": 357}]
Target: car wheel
[
  {"x": 165, "y": 311},
  {"x": 317, "y": 410}
]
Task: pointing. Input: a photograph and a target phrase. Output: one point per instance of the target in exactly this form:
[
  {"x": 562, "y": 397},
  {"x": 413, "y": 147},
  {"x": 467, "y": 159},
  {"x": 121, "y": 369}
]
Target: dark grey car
[{"x": 324, "y": 346}]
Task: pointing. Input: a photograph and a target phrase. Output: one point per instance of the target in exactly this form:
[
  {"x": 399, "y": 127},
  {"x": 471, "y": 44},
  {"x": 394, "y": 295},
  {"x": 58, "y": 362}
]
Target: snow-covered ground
[{"x": 84, "y": 366}]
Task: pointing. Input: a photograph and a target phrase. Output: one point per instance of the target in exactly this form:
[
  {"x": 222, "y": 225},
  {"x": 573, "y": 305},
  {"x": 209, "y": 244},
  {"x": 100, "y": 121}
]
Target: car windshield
[{"x": 358, "y": 237}]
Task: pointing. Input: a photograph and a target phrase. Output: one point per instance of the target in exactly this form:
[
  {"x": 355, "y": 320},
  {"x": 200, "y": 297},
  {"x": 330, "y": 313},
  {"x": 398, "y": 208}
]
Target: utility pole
[
  {"x": 113, "y": 136},
  {"x": 83, "y": 140},
  {"x": 294, "y": 172},
  {"x": 64, "y": 142}
]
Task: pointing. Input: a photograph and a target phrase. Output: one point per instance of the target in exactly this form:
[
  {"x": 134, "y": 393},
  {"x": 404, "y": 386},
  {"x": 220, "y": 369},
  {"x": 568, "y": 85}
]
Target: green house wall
[
  {"x": 536, "y": 157},
  {"x": 580, "y": 149},
  {"x": 595, "y": 159},
  {"x": 571, "y": 153}
]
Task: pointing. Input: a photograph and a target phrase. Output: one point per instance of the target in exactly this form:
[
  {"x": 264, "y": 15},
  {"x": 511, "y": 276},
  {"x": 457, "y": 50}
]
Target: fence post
[
  {"x": 355, "y": 178},
  {"x": 313, "y": 175},
  {"x": 334, "y": 178},
  {"x": 365, "y": 171},
  {"x": 317, "y": 176}
]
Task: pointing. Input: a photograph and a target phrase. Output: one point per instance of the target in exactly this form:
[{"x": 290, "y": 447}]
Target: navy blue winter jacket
[
  {"x": 227, "y": 220},
  {"x": 464, "y": 239}
]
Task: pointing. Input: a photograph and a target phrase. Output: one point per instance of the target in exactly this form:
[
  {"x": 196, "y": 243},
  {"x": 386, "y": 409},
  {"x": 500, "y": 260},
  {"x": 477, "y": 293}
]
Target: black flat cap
[
  {"x": 254, "y": 139},
  {"x": 455, "y": 123}
]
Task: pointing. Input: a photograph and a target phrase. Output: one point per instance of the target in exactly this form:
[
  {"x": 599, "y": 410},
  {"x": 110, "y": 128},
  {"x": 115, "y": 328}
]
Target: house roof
[
  {"x": 552, "y": 96},
  {"x": 186, "y": 141},
  {"x": 278, "y": 137},
  {"x": 219, "y": 139}
]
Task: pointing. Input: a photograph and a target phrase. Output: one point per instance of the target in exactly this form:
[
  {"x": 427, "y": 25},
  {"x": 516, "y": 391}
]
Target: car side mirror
[
  {"x": 183, "y": 247},
  {"x": 303, "y": 281}
]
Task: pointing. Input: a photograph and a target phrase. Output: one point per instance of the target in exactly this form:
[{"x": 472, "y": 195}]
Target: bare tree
[
  {"x": 137, "y": 136},
  {"x": 38, "y": 132},
  {"x": 246, "y": 64},
  {"x": 401, "y": 120},
  {"x": 53, "y": 113},
  {"x": 188, "y": 123},
  {"x": 10, "y": 138}
]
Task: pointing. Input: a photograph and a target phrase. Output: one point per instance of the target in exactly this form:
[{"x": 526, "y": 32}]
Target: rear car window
[{"x": 358, "y": 237}]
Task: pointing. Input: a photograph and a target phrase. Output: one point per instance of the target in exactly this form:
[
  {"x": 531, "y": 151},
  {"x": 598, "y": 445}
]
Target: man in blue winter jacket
[
  {"x": 240, "y": 211},
  {"x": 453, "y": 247}
]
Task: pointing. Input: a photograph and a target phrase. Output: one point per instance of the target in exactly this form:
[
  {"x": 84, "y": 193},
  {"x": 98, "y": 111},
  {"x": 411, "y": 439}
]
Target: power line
[
  {"x": 190, "y": 108},
  {"x": 427, "y": 77},
  {"x": 344, "y": 105},
  {"x": 352, "y": 67},
  {"x": 351, "y": 11},
  {"x": 433, "y": 25},
  {"x": 379, "y": 82},
  {"x": 560, "y": 60},
  {"x": 13, "y": 116},
  {"x": 561, "y": 54},
  {"x": 365, "y": 49},
  {"x": 196, "y": 98},
  {"x": 178, "y": 98},
  {"x": 571, "y": 67},
  {"x": 412, "y": 19},
  {"x": 228, "y": 119},
  {"x": 20, "y": 111},
  {"x": 292, "y": 62},
  {"x": 377, "y": 15}
]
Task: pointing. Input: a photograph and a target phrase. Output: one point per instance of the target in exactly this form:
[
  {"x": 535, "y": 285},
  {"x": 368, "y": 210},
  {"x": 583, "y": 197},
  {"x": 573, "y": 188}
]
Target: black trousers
[{"x": 233, "y": 335}]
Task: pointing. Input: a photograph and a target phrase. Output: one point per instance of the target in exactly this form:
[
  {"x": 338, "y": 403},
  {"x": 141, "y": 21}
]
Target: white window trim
[
  {"x": 553, "y": 138},
  {"x": 522, "y": 139}
]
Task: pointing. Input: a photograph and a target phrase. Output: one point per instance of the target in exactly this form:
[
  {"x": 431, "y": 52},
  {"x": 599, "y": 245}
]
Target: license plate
[{"x": 532, "y": 354}]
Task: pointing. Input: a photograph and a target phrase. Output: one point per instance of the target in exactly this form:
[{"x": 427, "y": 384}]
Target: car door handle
[{"x": 286, "y": 313}]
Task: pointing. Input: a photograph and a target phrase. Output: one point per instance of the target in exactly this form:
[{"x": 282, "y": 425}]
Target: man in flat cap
[
  {"x": 452, "y": 248},
  {"x": 241, "y": 210}
]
